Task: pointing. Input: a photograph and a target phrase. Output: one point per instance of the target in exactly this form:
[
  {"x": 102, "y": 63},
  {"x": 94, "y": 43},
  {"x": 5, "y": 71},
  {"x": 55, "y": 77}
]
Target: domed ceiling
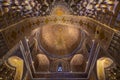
[{"x": 59, "y": 40}]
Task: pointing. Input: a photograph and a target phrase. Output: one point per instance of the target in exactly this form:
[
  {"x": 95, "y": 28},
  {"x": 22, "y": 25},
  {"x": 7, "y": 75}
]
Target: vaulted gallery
[{"x": 59, "y": 39}]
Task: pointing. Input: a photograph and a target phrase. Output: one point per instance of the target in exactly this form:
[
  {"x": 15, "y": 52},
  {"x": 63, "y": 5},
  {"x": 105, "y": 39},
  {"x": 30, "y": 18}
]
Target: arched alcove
[
  {"x": 77, "y": 63},
  {"x": 42, "y": 63},
  {"x": 64, "y": 64}
]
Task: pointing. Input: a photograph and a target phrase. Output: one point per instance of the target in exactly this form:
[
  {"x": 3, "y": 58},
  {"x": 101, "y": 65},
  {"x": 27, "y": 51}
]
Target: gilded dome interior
[{"x": 60, "y": 39}]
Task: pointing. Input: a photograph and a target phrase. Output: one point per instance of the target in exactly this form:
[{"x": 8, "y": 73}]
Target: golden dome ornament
[
  {"x": 5, "y": 9},
  {"x": 110, "y": 2},
  {"x": 103, "y": 6},
  {"x": 26, "y": 2},
  {"x": 84, "y": 4},
  {"x": 28, "y": 7},
  {"x": 100, "y": 1},
  {"x": 104, "y": 10},
  {"x": 23, "y": 4},
  {"x": 94, "y": 3},
  {"x": 5, "y": 4},
  {"x": 19, "y": 8},
  {"x": 111, "y": 8},
  {"x": 32, "y": 3},
  {"x": 98, "y": 9},
  {"x": 13, "y": 7},
  {"x": 93, "y": 16},
  {"x": 97, "y": 5},
  {"x": 16, "y": 2}
]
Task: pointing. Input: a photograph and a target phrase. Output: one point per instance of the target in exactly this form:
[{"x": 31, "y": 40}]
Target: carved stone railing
[{"x": 114, "y": 48}]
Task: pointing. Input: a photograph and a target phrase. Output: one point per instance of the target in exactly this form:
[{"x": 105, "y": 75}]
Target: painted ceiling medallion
[{"x": 59, "y": 39}]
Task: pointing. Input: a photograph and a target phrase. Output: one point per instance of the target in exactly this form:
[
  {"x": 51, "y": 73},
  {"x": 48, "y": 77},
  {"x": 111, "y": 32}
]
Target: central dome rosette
[{"x": 59, "y": 40}]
